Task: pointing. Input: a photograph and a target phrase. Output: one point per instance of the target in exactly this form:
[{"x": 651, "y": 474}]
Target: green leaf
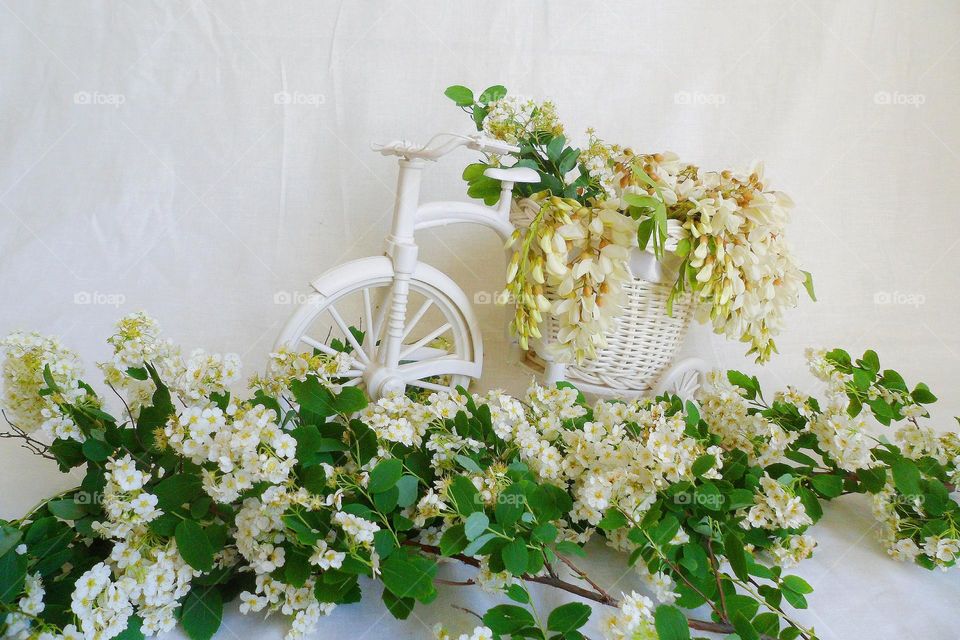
[
  {"x": 400, "y": 608},
  {"x": 644, "y": 232},
  {"x": 568, "y": 617},
  {"x": 297, "y": 568},
  {"x": 517, "y": 593},
  {"x": 906, "y": 476},
  {"x": 507, "y": 618},
  {"x": 328, "y": 445},
  {"x": 313, "y": 396},
  {"x": 453, "y": 540},
  {"x": 510, "y": 505},
  {"x": 828, "y": 486},
  {"x": 385, "y": 475},
  {"x": 476, "y": 523},
  {"x": 474, "y": 547},
  {"x": 9, "y": 538},
  {"x": 13, "y": 572},
  {"x": 744, "y": 627},
  {"x": 464, "y": 495},
  {"x": 407, "y": 490},
  {"x": 745, "y": 382},
  {"x": 870, "y": 360},
  {"x": 612, "y": 520},
  {"x": 409, "y": 576},
  {"x": 703, "y": 464},
  {"x": 665, "y": 531},
  {"x": 514, "y": 555},
  {"x": 692, "y": 417},
  {"x": 808, "y": 285},
  {"x": 468, "y": 463},
  {"x": 733, "y": 549},
  {"x": 194, "y": 546},
  {"x": 873, "y": 479},
  {"x": 174, "y": 491},
  {"x": 350, "y": 400},
  {"x": 796, "y": 600},
  {"x": 96, "y": 450},
  {"x": 797, "y": 584},
  {"x": 921, "y": 394},
  {"x": 67, "y": 509},
  {"x": 492, "y": 94},
  {"x": 460, "y": 94},
  {"x": 671, "y": 624},
  {"x": 893, "y": 380},
  {"x": 48, "y": 379},
  {"x": 138, "y": 373},
  {"x": 546, "y": 532},
  {"x": 309, "y": 443},
  {"x": 202, "y": 613},
  {"x": 384, "y": 543}
]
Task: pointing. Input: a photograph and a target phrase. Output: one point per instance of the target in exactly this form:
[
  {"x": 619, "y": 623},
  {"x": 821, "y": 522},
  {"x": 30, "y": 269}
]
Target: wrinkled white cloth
[{"x": 203, "y": 160}]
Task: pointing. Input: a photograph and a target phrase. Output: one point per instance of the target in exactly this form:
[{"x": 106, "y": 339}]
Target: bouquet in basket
[{"x": 593, "y": 206}]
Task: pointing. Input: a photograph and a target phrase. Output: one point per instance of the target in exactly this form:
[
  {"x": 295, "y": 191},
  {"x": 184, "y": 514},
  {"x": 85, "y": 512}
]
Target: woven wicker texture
[
  {"x": 642, "y": 346},
  {"x": 646, "y": 338}
]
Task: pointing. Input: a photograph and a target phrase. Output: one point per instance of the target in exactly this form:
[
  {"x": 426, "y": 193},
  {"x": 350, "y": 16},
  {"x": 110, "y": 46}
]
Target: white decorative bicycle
[{"x": 438, "y": 346}]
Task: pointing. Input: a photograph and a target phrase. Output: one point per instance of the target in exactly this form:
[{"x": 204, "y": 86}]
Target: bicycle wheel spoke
[
  {"x": 330, "y": 351},
  {"x": 416, "y": 318},
  {"x": 436, "y": 333},
  {"x": 347, "y": 333},
  {"x": 316, "y": 344},
  {"x": 368, "y": 317},
  {"x": 429, "y": 386}
]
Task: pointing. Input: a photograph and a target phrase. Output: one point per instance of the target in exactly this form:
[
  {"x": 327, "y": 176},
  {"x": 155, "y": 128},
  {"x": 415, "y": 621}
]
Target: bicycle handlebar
[{"x": 434, "y": 150}]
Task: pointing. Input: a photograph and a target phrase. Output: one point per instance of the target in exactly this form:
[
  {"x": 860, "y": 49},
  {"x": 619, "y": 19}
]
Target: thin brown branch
[
  {"x": 583, "y": 576},
  {"x": 473, "y": 613},
  {"x": 715, "y": 567},
  {"x": 455, "y": 583},
  {"x": 29, "y": 443},
  {"x": 586, "y": 594}
]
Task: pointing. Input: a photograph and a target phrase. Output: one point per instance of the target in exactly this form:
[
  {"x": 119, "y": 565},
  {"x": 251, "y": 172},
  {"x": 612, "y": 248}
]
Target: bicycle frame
[{"x": 410, "y": 216}]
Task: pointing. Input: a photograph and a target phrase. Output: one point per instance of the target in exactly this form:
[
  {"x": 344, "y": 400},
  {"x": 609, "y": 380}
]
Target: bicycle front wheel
[{"x": 349, "y": 314}]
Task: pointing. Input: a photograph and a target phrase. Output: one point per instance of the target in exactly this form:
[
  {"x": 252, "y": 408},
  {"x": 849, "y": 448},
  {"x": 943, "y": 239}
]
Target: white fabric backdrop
[{"x": 147, "y": 163}]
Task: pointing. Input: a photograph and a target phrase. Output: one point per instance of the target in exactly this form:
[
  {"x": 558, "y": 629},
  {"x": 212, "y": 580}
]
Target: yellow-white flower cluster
[
  {"x": 513, "y": 118},
  {"x": 571, "y": 261},
  {"x": 776, "y": 507},
  {"x": 397, "y": 418},
  {"x": 479, "y": 633},
  {"x": 127, "y": 506},
  {"x": 763, "y": 440},
  {"x": 244, "y": 441},
  {"x": 138, "y": 342},
  {"x": 286, "y": 365},
  {"x": 632, "y": 621},
  {"x": 154, "y": 578},
  {"x": 734, "y": 237},
  {"x": 298, "y": 602},
  {"x": 100, "y": 604},
  {"x": 26, "y": 357}
]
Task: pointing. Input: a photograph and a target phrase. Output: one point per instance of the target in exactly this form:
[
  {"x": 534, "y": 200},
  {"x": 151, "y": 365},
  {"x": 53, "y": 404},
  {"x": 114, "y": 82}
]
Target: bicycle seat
[{"x": 513, "y": 174}]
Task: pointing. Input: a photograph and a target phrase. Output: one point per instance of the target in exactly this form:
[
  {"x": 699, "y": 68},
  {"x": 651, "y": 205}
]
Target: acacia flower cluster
[
  {"x": 571, "y": 262},
  {"x": 731, "y": 245}
]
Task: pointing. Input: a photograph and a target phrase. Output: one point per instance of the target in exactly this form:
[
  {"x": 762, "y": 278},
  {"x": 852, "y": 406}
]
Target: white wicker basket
[{"x": 646, "y": 339}]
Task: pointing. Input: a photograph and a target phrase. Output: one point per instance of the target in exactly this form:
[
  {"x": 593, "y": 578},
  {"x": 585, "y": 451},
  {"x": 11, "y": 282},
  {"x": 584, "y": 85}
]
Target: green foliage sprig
[{"x": 711, "y": 496}]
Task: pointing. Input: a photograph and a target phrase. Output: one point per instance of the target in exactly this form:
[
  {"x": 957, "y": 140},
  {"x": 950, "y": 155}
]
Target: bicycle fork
[{"x": 402, "y": 249}]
